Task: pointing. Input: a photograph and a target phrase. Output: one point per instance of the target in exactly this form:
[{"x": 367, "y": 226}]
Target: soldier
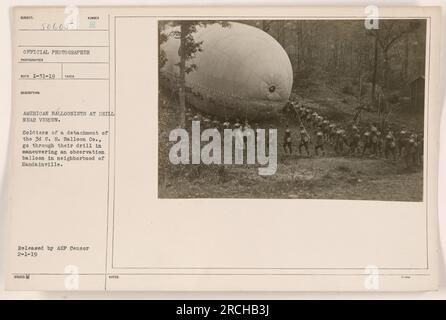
[
  {"x": 238, "y": 135},
  {"x": 246, "y": 126},
  {"x": 319, "y": 143},
  {"x": 237, "y": 124},
  {"x": 420, "y": 148},
  {"x": 302, "y": 112},
  {"x": 308, "y": 118},
  {"x": 374, "y": 140},
  {"x": 198, "y": 117},
  {"x": 325, "y": 128},
  {"x": 320, "y": 121},
  {"x": 314, "y": 118},
  {"x": 304, "y": 140},
  {"x": 410, "y": 152},
  {"x": 344, "y": 138},
  {"x": 288, "y": 107},
  {"x": 207, "y": 123},
  {"x": 287, "y": 141},
  {"x": 216, "y": 124},
  {"x": 332, "y": 133},
  {"x": 189, "y": 119},
  {"x": 247, "y": 134},
  {"x": 379, "y": 143},
  {"x": 366, "y": 141},
  {"x": 390, "y": 146},
  {"x": 255, "y": 127},
  {"x": 355, "y": 137},
  {"x": 402, "y": 140},
  {"x": 415, "y": 150},
  {"x": 226, "y": 124},
  {"x": 339, "y": 141},
  {"x": 296, "y": 109}
]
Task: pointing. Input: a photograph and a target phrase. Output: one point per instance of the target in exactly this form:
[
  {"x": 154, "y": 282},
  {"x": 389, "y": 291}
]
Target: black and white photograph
[
  {"x": 237, "y": 151},
  {"x": 298, "y": 109}
]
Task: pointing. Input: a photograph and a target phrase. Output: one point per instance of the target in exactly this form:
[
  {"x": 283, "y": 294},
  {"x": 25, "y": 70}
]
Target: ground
[
  {"x": 304, "y": 178},
  {"x": 297, "y": 177}
]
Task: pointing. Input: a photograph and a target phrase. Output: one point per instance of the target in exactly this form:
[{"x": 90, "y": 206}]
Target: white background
[{"x": 5, "y": 112}]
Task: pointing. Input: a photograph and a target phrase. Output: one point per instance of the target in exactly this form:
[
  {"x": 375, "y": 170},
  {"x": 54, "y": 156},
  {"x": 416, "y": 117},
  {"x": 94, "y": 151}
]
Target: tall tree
[
  {"x": 375, "y": 68},
  {"x": 388, "y": 35},
  {"x": 184, "y": 31}
]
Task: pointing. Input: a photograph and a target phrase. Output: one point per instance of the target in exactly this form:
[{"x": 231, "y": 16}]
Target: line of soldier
[
  {"x": 353, "y": 139},
  {"x": 208, "y": 122}
]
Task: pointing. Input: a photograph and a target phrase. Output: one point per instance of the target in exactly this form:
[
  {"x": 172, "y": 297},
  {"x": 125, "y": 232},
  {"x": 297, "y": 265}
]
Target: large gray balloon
[{"x": 242, "y": 71}]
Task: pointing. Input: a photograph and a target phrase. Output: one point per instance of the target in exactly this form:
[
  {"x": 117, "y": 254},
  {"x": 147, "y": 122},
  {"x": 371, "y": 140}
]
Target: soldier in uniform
[
  {"x": 326, "y": 128},
  {"x": 247, "y": 134},
  {"x": 189, "y": 119},
  {"x": 410, "y": 152},
  {"x": 314, "y": 117},
  {"x": 237, "y": 123},
  {"x": 319, "y": 143},
  {"x": 390, "y": 146},
  {"x": 420, "y": 148},
  {"x": 402, "y": 140},
  {"x": 308, "y": 118},
  {"x": 379, "y": 143},
  {"x": 304, "y": 140},
  {"x": 238, "y": 135},
  {"x": 206, "y": 123},
  {"x": 366, "y": 142},
  {"x": 287, "y": 145},
  {"x": 333, "y": 130},
  {"x": 302, "y": 111},
  {"x": 374, "y": 140},
  {"x": 355, "y": 137},
  {"x": 216, "y": 124},
  {"x": 226, "y": 124},
  {"x": 320, "y": 121},
  {"x": 414, "y": 150},
  {"x": 339, "y": 141}
]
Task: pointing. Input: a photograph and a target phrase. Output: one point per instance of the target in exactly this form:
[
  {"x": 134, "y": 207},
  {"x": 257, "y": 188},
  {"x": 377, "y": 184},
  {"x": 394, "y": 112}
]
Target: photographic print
[{"x": 292, "y": 109}]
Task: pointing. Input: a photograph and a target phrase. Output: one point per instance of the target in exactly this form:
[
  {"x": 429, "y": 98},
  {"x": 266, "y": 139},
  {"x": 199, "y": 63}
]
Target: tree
[
  {"x": 389, "y": 33},
  {"x": 162, "y": 37},
  {"x": 184, "y": 31},
  {"x": 375, "y": 67}
]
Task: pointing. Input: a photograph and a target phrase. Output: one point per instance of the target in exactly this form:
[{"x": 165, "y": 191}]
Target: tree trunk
[
  {"x": 375, "y": 68},
  {"x": 182, "y": 84},
  {"x": 300, "y": 51},
  {"x": 280, "y": 27},
  {"x": 386, "y": 69},
  {"x": 406, "y": 58}
]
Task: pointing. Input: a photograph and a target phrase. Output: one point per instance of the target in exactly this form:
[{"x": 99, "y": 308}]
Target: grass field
[{"x": 299, "y": 178}]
